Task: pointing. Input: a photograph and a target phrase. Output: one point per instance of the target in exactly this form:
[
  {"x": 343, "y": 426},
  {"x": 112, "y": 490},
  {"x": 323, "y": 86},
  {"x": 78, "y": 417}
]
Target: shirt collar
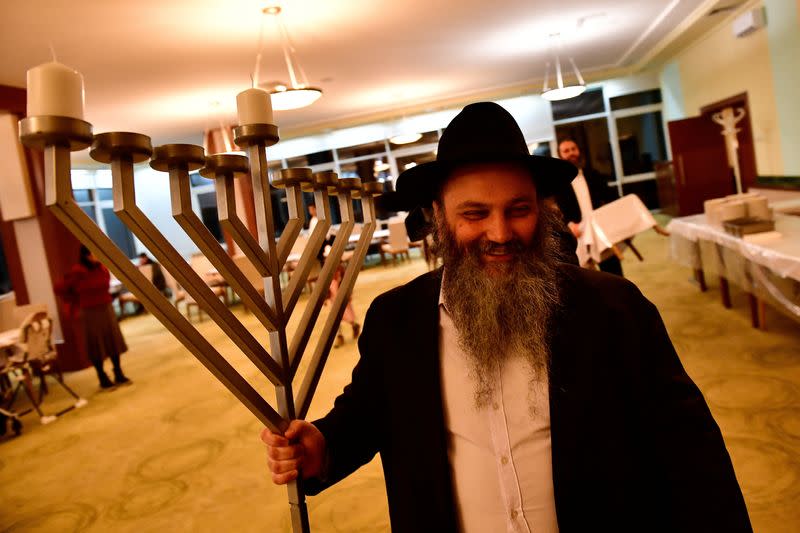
[{"x": 442, "y": 302}]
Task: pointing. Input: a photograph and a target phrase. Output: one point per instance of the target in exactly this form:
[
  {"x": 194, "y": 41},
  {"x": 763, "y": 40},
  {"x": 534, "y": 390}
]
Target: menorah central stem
[{"x": 272, "y": 293}]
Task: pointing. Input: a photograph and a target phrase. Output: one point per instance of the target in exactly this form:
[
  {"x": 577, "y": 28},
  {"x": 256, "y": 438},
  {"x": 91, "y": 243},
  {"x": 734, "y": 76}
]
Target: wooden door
[
  {"x": 701, "y": 167},
  {"x": 700, "y": 163}
]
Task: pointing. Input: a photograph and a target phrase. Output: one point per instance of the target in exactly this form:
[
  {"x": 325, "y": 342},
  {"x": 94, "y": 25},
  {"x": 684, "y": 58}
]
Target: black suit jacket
[{"x": 634, "y": 445}]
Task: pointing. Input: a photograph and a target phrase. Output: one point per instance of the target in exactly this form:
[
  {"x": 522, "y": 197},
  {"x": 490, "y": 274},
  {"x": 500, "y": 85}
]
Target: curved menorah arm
[
  {"x": 202, "y": 237},
  {"x": 320, "y": 356},
  {"x": 165, "y": 253},
  {"x": 57, "y": 136},
  {"x": 222, "y": 168},
  {"x": 297, "y": 217},
  {"x": 317, "y": 298},
  {"x": 257, "y": 157},
  {"x": 315, "y": 241}
]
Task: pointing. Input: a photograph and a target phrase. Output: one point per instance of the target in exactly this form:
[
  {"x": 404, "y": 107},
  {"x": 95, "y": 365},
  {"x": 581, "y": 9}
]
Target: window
[
  {"x": 89, "y": 210},
  {"x": 207, "y": 202},
  {"x": 118, "y": 232},
  {"x": 622, "y": 140},
  {"x": 198, "y": 181},
  {"x": 95, "y": 198},
  {"x": 105, "y": 194},
  {"x": 589, "y": 103},
  {"x": 641, "y": 98},
  {"x": 85, "y": 200},
  {"x": 82, "y": 195},
  {"x": 310, "y": 160},
  {"x": 364, "y": 169},
  {"x": 377, "y": 148},
  {"x": 592, "y": 138},
  {"x": 641, "y": 142}
]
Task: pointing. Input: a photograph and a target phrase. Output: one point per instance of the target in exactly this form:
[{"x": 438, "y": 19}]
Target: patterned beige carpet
[{"x": 176, "y": 452}]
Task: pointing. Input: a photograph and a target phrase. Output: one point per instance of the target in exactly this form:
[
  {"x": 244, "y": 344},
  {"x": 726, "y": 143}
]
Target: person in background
[
  {"x": 510, "y": 391},
  {"x": 85, "y": 291},
  {"x": 349, "y": 315},
  {"x": 312, "y": 217},
  {"x": 599, "y": 192},
  {"x": 159, "y": 281}
]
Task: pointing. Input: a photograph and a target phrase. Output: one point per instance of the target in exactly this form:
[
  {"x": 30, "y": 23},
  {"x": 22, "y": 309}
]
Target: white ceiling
[{"x": 155, "y": 66}]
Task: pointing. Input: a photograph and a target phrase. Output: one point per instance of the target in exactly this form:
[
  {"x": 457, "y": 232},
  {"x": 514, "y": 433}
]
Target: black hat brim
[{"x": 419, "y": 186}]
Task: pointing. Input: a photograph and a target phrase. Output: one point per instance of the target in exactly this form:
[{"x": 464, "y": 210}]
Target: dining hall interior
[{"x": 686, "y": 109}]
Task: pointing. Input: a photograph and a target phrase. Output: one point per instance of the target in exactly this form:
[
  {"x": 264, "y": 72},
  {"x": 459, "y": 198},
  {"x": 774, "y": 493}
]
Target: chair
[
  {"x": 127, "y": 297},
  {"x": 429, "y": 252},
  {"x": 11, "y": 366},
  {"x": 294, "y": 257},
  {"x": 398, "y": 242},
  {"x": 203, "y": 267},
  {"x": 176, "y": 293},
  {"x": 250, "y": 272},
  {"x": 39, "y": 358}
]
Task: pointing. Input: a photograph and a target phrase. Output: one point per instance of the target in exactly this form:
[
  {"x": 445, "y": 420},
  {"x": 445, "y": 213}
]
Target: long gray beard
[{"x": 506, "y": 314}]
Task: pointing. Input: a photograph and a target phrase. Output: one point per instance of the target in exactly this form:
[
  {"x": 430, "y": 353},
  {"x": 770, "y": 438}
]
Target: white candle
[
  {"x": 55, "y": 89},
  {"x": 254, "y": 106}
]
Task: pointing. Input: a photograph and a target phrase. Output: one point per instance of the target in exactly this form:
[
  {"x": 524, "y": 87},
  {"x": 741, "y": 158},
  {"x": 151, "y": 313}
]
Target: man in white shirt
[
  {"x": 590, "y": 190},
  {"x": 312, "y": 218},
  {"x": 510, "y": 391}
]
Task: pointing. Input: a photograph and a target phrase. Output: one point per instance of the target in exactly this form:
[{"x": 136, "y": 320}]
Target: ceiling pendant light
[
  {"x": 297, "y": 93},
  {"x": 405, "y": 138},
  {"x": 404, "y": 132},
  {"x": 561, "y": 91}
]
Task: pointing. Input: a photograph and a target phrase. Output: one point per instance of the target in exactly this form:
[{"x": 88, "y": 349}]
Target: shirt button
[
  {"x": 513, "y": 514},
  {"x": 504, "y": 460}
]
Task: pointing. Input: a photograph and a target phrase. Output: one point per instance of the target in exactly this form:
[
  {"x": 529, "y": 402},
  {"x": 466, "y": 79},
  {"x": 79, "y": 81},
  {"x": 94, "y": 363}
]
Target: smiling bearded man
[
  {"x": 510, "y": 391},
  {"x": 501, "y": 308}
]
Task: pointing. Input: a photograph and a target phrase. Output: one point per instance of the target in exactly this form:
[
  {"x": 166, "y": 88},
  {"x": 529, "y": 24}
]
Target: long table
[{"x": 763, "y": 265}]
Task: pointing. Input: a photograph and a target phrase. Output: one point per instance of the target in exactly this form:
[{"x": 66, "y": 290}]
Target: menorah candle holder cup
[
  {"x": 224, "y": 164},
  {"x": 248, "y": 135},
  {"x": 107, "y": 147},
  {"x": 43, "y": 131}
]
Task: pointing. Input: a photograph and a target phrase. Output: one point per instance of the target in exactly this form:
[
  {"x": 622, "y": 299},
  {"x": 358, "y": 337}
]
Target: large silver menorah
[{"x": 58, "y": 136}]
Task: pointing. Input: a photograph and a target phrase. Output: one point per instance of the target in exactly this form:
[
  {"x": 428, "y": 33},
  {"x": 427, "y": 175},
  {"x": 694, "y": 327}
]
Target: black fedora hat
[{"x": 481, "y": 133}]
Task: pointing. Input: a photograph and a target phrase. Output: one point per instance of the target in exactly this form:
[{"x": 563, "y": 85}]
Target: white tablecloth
[{"x": 779, "y": 251}]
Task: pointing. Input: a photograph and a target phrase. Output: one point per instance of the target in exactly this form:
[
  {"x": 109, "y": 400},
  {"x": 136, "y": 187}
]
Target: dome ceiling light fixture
[
  {"x": 561, "y": 91},
  {"x": 405, "y": 138},
  {"x": 297, "y": 93},
  {"x": 403, "y": 132}
]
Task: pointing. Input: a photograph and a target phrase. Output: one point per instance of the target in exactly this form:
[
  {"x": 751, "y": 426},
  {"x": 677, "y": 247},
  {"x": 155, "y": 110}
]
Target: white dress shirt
[
  {"x": 500, "y": 455},
  {"x": 586, "y": 239}
]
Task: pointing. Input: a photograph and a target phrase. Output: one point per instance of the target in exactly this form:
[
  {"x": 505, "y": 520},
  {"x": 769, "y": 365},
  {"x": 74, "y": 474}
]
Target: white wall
[
  {"x": 152, "y": 197},
  {"x": 718, "y": 65}
]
